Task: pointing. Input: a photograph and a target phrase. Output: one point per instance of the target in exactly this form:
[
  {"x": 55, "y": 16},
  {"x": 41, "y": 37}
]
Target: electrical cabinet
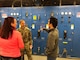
[
  {"x": 37, "y": 18},
  {"x": 76, "y": 40},
  {"x": 3, "y": 13},
  {"x": 66, "y": 29},
  {"x": 16, "y": 13}
]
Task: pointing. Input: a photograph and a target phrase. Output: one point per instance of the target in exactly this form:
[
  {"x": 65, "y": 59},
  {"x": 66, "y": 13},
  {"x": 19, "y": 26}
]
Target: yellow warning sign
[{"x": 34, "y": 17}]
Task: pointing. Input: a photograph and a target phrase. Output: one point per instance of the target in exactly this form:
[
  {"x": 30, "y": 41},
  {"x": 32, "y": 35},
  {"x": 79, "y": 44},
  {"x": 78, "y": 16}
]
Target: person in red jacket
[{"x": 10, "y": 40}]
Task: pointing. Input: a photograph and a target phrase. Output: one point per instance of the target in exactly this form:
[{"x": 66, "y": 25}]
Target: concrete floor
[{"x": 37, "y": 57}]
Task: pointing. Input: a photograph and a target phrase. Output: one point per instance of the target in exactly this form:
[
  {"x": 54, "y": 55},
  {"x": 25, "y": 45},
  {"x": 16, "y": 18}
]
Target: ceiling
[{"x": 27, "y": 3}]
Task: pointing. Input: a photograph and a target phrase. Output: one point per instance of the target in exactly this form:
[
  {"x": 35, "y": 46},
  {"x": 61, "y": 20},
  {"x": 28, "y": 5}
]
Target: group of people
[{"x": 15, "y": 42}]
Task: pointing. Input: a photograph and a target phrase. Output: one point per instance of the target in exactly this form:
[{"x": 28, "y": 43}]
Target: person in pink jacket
[{"x": 10, "y": 40}]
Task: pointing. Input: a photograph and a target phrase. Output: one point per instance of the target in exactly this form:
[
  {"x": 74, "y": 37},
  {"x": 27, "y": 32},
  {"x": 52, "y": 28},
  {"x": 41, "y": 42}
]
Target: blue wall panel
[
  {"x": 16, "y": 13},
  {"x": 68, "y": 19},
  {"x": 4, "y": 13},
  {"x": 76, "y": 41}
]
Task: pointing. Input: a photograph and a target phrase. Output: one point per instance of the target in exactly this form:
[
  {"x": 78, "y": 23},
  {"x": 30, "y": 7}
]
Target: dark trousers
[
  {"x": 51, "y": 58},
  {"x": 22, "y": 57},
  {"x": 9, "y": 58}
]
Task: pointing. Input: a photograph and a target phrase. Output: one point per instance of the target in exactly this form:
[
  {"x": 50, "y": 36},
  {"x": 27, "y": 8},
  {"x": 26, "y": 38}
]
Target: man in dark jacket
[{"x": 52, "y": 42}]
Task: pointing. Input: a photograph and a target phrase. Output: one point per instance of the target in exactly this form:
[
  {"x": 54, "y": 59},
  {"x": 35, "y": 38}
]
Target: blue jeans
[{"x": 51, "y": 58}]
